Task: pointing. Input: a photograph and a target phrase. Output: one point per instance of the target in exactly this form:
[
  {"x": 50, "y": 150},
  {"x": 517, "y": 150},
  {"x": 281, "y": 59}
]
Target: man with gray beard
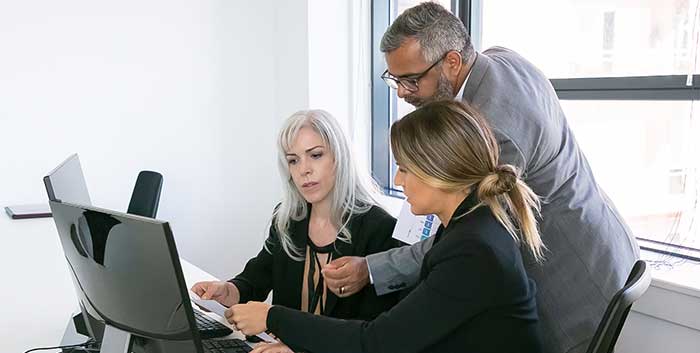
[{"x": 591, "y": 250}]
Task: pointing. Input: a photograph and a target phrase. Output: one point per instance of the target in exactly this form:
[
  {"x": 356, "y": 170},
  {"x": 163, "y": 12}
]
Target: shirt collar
[{"x": 460, "y": 94}]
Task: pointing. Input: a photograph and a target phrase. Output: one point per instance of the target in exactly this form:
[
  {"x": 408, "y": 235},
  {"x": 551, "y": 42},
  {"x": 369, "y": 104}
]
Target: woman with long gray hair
[
  {"x": 328, "y": 210},
  {"x": 473, "y": 294}
]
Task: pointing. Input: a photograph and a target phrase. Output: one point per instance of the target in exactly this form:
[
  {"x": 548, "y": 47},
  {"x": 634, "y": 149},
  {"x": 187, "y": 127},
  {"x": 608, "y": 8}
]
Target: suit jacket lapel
[
  {"x": 341, "y": 249},
  {"x": 331, "y": 298},
  {"x": 344, "y": 249},
  {"x": 331, "y": 301},
  {"x": 479, "y": 69},
  {"x": 295, "y": 269}
]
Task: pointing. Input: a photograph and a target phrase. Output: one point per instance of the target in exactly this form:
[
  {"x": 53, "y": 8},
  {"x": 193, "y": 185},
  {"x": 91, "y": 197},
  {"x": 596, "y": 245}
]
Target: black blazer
[
  {"x": 276, "y": 271},
  {"x": 473, "y": 296}
]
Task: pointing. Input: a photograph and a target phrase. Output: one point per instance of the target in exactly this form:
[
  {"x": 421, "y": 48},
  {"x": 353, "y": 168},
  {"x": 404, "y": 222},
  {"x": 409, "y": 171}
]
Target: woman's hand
[
  {"x": 250, "y": 318},
  {"x": 223, "y": 292},
  {"x": 277, "y": 347}
]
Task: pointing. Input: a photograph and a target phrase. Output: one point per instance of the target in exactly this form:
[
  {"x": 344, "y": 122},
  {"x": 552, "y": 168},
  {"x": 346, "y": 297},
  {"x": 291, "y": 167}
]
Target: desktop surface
[{"x": 31, "y": 259}]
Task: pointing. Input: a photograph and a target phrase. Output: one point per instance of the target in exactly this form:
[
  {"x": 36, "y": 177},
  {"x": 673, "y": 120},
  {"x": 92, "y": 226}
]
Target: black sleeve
[
  {"x": 255, "y": 282},
  {"x": 456, "y": 289}
]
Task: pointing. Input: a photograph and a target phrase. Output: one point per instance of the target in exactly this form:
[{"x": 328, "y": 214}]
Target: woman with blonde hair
[
  {"x": 329, "y": 210},
  {"x": 473, "y": 294}
]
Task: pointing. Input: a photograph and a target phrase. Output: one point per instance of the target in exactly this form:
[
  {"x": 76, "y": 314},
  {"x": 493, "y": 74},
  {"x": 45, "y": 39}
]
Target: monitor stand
[
  {"x": 74, "y": 333},
  {"x": 116, "y": 341}
]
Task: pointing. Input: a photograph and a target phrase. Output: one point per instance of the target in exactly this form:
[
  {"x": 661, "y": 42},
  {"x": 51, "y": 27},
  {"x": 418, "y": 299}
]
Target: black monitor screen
[
  {"x": 67, "y": 183},
  {"x": 127, "y": 268}
]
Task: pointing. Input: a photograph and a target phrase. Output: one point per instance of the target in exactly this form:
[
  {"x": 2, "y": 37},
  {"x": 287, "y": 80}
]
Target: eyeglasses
[{"x": 410, "y": 82}]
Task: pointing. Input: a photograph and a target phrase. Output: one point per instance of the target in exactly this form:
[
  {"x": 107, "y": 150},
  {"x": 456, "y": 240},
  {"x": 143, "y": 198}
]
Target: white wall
[
  {"x": 330, "y": 57},
  {"x": 194, "y": 90},
  {"x": 339, "y": 67},
  {"x": 291, "y": 55},
  {"x": 667, "y": 317},
  {"x": 648, "y": 334}
]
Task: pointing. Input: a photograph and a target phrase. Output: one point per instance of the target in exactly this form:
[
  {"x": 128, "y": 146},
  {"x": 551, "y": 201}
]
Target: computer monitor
[
  {"x": 67, "y": 183},
  {"x": 128, "y": 269}
]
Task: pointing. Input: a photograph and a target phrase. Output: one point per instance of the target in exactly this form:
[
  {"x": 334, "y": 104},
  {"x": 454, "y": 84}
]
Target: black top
[
  {"x": 473, "y": 296},
  {"x": 276, "y": 271}
]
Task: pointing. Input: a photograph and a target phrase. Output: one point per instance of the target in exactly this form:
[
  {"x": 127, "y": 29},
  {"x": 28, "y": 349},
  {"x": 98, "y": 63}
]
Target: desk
[{"x": 37, "y": 293}]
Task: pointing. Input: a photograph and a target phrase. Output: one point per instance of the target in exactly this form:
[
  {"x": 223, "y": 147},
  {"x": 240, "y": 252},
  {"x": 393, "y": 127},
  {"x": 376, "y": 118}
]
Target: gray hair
[
  {"x": 435, "y": 28},
  {"x": 355, "y": 192}
]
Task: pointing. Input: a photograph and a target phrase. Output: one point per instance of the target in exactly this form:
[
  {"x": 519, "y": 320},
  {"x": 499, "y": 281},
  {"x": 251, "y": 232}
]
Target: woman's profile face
[
  {"x": 423, "y": 198},
  {"x": 311, "y": 165}
]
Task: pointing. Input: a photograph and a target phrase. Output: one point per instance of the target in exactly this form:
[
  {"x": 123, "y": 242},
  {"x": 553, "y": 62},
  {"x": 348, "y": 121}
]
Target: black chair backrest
[
  {"x": 146, "y": 194},
  {"x": 615, "y": 315}
]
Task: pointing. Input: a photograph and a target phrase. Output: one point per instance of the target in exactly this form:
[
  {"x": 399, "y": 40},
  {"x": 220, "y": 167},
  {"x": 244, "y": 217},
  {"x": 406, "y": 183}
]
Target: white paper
[
  {"x": 211, "y": 305},
  {"x": 411, "y": 229},
  {"x": 267, "y": 338}
]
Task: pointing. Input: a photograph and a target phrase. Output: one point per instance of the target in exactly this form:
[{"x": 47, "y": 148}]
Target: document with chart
[{"x": 411, "y": 229}]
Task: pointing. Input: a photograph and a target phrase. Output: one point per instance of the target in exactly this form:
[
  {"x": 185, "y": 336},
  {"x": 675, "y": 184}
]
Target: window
[
  {"x": 639, "y": 152},
  {"x": 386, "y": 108},
  {"x": 595, "y": 38},
  {"x": 621, "y": 69}
]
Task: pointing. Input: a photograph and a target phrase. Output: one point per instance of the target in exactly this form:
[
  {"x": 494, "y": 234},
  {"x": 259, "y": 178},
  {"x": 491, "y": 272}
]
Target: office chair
[
  {"x": 146, "y": 194},
  {"x": 615, "y": 315}
]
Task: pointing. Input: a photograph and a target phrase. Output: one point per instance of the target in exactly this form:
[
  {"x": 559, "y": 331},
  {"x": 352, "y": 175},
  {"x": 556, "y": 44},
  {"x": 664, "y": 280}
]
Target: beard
[{"x": 442, "y": 92}]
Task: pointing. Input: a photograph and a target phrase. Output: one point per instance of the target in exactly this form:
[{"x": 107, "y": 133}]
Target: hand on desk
[
  {"x": 346, "y": 276},
  {"x": 278, "y": 347},
  {"x": 250, "y": 318},
  {"x": 225, "y": 293}
]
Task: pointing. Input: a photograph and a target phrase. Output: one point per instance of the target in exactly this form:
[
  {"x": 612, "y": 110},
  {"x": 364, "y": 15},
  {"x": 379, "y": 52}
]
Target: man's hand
[
  {"x": 249, "y": 318},
  {"x": 346, "y": 276}
]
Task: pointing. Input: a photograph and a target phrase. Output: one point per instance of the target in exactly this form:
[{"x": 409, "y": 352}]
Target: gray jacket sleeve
[{"x": 397, "y": 268}]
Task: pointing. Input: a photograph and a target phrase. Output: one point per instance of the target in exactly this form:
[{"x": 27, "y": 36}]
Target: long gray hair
[
  {"x": 435, "y": 28},
  {"x": 355, "y": 192}
]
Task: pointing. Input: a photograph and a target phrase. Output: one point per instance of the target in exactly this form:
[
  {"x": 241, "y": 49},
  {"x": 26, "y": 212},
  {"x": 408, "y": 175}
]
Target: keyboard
[
  {"x": 234, "y": 345},
  {"x": 209, "y": 327}
]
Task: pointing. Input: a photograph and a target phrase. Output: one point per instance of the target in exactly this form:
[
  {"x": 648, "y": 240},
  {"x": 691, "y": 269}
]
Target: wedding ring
[{"x": 342, "y": 290}]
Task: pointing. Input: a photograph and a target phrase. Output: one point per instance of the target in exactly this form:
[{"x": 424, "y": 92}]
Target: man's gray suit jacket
[{"x": 590, "y": 249}]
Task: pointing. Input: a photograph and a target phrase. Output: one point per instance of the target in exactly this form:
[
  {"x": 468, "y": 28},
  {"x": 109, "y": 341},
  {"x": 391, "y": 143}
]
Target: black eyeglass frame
[{"x": 410, "y": 83}]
